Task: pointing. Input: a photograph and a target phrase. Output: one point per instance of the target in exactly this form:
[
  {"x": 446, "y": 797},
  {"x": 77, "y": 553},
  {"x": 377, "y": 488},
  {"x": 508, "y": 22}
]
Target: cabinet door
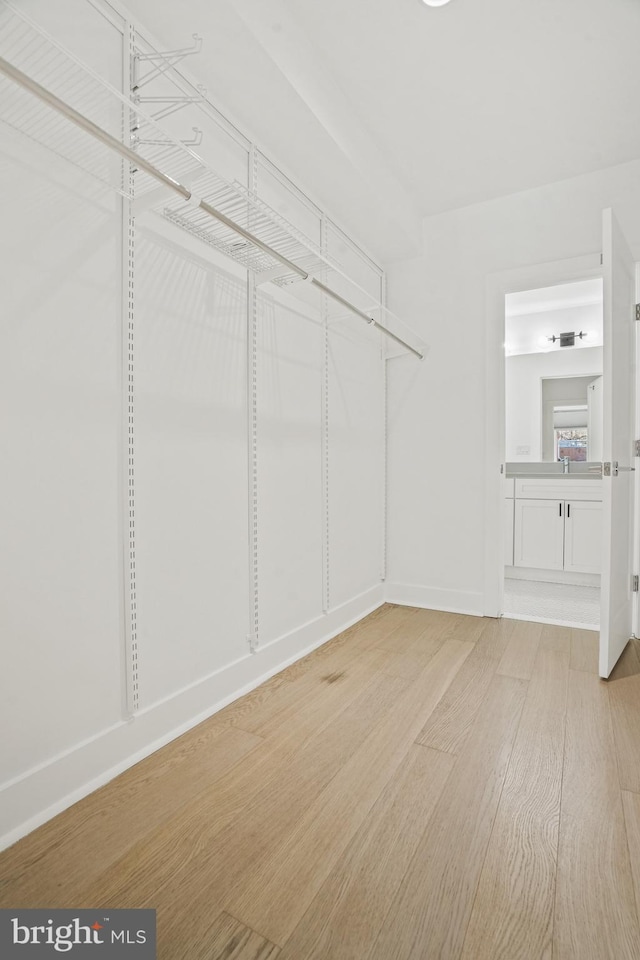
[
  {"x": 539, "y": 534},
  {"x": 508, "y": 532},
  {"x": 583, "y": 536}
]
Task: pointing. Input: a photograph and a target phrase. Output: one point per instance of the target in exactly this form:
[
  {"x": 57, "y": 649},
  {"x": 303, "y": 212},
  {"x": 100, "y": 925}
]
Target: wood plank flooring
[{"x": 426, "y": 786}]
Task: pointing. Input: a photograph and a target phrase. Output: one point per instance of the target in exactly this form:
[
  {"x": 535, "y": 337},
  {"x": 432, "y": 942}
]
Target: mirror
[
  {"x": 572, "y": 418},
  {"x": 553, "y": 373}
]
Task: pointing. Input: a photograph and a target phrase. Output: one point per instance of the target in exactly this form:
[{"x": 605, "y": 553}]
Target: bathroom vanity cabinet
[{"x": 557, "y": 524}]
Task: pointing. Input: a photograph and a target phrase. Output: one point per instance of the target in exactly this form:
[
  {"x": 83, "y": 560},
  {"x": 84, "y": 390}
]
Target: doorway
[
  {"x": 620, "y": 527},
  {"x": 553, "y": 367},
  {"x": 498, "y": 286}
]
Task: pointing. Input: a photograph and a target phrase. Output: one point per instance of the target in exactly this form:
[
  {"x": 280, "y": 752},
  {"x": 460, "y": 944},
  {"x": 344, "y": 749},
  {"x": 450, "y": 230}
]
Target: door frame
[
  {"x": 498, "y": 285},
  {"x": 635, "y": 611}
]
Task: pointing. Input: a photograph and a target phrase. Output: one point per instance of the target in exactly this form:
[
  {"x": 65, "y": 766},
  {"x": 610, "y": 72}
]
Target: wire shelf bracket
[
  {"x": 168, "y": 104},
  {"x": 171, "y": 104},
  {"x": 161, "y": 62},
  {"x": 137, "y": 141}
]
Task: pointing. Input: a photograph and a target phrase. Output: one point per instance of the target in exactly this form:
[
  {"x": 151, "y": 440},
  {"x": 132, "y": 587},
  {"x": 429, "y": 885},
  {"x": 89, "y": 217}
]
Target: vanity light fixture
[
  {"x": 567, "y": 339},
  {"x": 435, "y": 3}
]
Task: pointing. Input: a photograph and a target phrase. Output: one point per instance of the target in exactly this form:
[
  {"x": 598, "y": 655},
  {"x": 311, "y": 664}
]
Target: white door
[
  {"x": 539, "y": 534},
  {"x": 583, "y": 536},
  {"x": 618, "y": 401}
]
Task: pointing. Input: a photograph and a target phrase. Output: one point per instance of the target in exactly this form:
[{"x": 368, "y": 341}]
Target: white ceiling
[
  {"x": 388, "y": 110},
  {"x": 559, "y": 297}
]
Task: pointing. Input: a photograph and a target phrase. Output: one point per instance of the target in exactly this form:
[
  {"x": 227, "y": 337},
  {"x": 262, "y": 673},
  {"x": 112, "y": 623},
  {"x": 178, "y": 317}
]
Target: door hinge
[
  {"x": 636, "y": 448},
  {"x": 637, "y": 311},
  {"x": 635, "y": 583}
]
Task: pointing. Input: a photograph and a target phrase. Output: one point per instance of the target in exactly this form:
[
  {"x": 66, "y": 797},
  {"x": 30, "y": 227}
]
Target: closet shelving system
[{"x": 50, "y": 96}]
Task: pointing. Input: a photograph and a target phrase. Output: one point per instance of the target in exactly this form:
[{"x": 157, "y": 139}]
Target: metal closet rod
[{"x": 81, "y": 121}]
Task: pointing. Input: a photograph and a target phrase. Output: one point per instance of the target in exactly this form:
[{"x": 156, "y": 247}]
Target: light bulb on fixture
[{"x": 435, "y": 3}]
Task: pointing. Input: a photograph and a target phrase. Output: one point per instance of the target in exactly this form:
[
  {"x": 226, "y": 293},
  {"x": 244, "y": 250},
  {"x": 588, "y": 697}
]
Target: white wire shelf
[
  {"x": 51, "y": 97},
  {"x": 247, "y": 212}
]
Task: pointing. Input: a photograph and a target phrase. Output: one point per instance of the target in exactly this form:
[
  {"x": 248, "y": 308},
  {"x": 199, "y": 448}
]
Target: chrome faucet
[{"x": 565, "y": 464}]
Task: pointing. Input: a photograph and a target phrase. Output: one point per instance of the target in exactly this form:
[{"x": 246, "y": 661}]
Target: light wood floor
[{"x": 425, "y": 786}]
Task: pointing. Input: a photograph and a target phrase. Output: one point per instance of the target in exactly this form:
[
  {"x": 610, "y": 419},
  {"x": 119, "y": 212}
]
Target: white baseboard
[
  {"x": 36, "y": 796},
  {"x": 552, "y": 576},
  {"x": 555, "y": 623},
  {"x": 435, "y": 598}
]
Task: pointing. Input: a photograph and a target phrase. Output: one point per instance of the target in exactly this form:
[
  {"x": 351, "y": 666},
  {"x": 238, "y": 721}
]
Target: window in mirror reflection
[{"x": 571, "y": 443}]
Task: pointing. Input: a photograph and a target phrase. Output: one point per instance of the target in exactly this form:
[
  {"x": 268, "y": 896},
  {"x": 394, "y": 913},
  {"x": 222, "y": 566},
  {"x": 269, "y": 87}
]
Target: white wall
[
  {"x": 523, "y": 393},
  {"x": 190, "y": 467},
  {"x": 290, "y": 356},
  {"x": 60, "y": 617},
  {"x": 199, "y": 590},
  {"x": 437, "y": 411}
]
